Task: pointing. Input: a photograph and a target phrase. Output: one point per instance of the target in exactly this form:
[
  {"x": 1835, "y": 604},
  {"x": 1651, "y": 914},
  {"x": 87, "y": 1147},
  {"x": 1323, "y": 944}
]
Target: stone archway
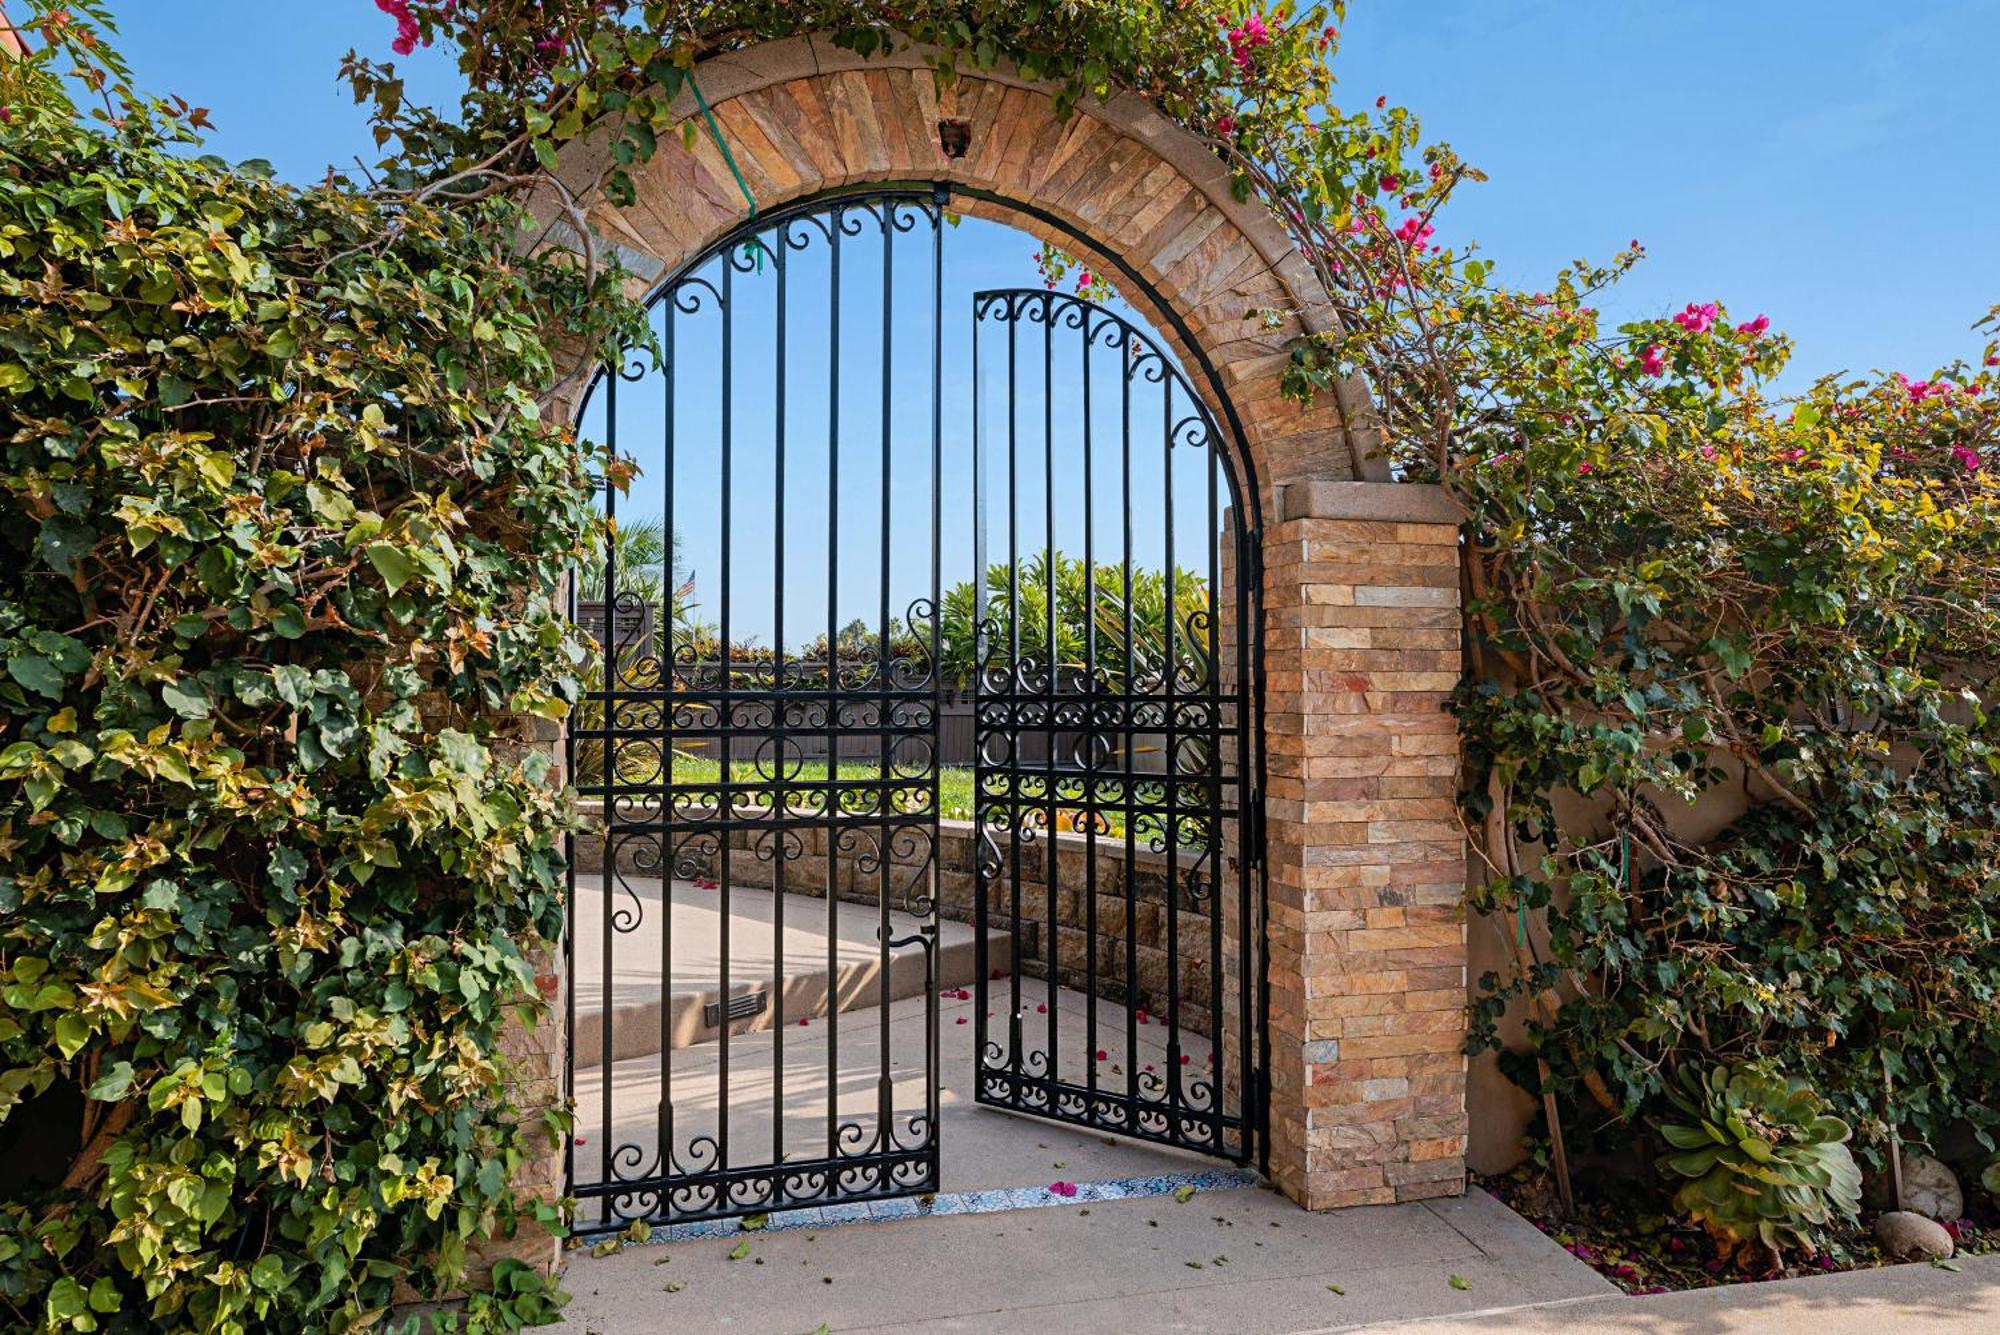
[{"x": 1364, "y": 861}]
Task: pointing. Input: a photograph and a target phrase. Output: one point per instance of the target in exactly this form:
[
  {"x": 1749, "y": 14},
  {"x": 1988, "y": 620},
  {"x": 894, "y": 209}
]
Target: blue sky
[{"x": 1825, "y": 161}]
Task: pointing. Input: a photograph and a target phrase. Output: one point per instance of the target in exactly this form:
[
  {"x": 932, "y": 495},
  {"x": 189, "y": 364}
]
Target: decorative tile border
[{"x": 966, "y": 1202}]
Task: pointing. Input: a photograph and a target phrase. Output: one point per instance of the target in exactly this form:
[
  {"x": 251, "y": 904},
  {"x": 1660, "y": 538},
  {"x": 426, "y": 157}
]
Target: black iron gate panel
[
  {"x": 736, "y": 761},
  {"x": 1114, "y": 734}
]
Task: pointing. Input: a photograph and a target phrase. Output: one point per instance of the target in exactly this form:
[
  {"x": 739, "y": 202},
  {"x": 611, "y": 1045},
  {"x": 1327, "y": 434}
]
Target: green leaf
[
  {"x": 1458, "y": 1282},
  {"x": 67, "y": 1299},
  {"x": 396, "y": 566},
  {"x": 36, "y": 673},
  {"x": 186, "y": 697}
]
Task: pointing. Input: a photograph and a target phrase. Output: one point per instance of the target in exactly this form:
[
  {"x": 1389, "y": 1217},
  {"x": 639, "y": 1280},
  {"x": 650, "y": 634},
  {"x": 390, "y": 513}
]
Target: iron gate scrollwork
[
  {"x": 707, "y": 754},
  {"x": 1114, "y": 727}
]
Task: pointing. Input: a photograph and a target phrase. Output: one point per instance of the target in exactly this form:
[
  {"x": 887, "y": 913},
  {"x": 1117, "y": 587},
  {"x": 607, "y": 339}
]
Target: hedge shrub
[{"x": 281, "y": 528}]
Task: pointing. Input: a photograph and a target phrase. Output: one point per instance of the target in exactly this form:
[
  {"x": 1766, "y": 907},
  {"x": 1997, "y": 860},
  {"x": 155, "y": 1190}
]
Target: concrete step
[{"x": 766, "y": 987}]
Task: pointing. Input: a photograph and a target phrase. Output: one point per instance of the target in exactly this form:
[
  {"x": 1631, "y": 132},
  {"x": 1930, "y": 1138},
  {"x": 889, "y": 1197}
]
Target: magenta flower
[
  {"x": 1754, "y": 328},
  {"x": 1698, "y": 319},
  {"x": 1416, "y": 234},
  {"x": 1225, "y": 125},
  {"x": 1062, "y": 1188},
  {"x": 407, "y": 31},
  {"x": 1966, "y": 458},
  {"x": 1653, "y": 361},
  {"x": 1245, "y": 38}
]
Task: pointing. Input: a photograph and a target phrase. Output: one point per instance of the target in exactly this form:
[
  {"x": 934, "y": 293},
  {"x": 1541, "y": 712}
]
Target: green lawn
[
  {"x": 955, "y": 791},
  {"x": 954, "y": 784}
]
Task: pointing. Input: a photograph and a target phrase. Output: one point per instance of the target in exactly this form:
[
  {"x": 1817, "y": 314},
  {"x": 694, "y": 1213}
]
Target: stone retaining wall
[{"x": 1128, "y": 919}]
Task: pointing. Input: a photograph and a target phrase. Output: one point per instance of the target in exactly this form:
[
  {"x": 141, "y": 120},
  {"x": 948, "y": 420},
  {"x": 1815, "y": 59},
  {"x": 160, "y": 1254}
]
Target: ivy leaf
[
  {"x": 36, "y": 673},
  {"x": 113, "y": 1084},
  {"x": 64, "y": 542},
  {"x": 186, "y": 697},
  {"x": 393, "y": 564}
]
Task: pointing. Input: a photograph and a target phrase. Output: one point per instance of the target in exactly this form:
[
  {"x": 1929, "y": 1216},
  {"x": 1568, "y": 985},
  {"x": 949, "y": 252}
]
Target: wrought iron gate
[
  {"x": 1114, "y": 735},
  {"x": 764, "y": 715},
  {"x": 716, "y": 759}
]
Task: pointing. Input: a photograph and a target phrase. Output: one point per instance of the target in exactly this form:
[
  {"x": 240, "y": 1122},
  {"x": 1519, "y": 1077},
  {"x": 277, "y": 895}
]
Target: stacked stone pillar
[{"x": 1365, "y": 855}]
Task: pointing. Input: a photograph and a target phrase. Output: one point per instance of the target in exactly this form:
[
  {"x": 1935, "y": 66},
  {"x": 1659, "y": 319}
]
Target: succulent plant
[{"x": 1767, "y": 1166}]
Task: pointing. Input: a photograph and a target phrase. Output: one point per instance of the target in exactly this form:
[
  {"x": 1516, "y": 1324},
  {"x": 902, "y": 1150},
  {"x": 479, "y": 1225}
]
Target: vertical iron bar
[
  {"x": 982, "y": 645},
  {"x": 1016, "y": 686},
  {"x": 665, "y": 1131},
  {"x": 1128, "y": 761},
  {"x": 727, "y": 805},
  {"x": 932, "y": 1068},
  {"x": 833, "y": 705},
  {"x": 1052, "y": 706},
  {"x": 1217, "y": 808},
  {"x": 780, "y": 809},
  {"x": 608, "y": 804},
  {"x": 1172, "y": 719},
  {"x": 885, "y": 869},
  {"x": 1089, "y": 736}
]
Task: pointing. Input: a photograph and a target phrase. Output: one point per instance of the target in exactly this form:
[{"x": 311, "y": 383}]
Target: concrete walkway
[
  {"x": 1860, "y": 1302},
  {"x": 1241, "y": 1260}
]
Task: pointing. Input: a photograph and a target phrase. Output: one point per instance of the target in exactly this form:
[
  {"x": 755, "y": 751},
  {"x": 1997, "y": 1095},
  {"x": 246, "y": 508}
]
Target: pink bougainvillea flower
[
  {"x": 1698, "y": 319},
  {"x": 802, "y": 1022},
  {"x": 1062, "y": 1188},
  {"x": 960, "y": 1020},
  {"x": 1754, "y": 328},
  {"x": 1381, "y": 101},
  {"x": 1245, "y": 38},
  {"x": 1653, "y": 361},
  {"x": 1102, "y": 1055},
  {"x": 1042, "y": 1008},
  {"x": 408, "y": 33},
  {"x": 1416, "y": 234},
  {"x": 1391, "y": 184},
  {"x": 1584, "y": 469},
  {"x": 1968, "y": 459},
  {"x": 1225, "y": 124}
]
